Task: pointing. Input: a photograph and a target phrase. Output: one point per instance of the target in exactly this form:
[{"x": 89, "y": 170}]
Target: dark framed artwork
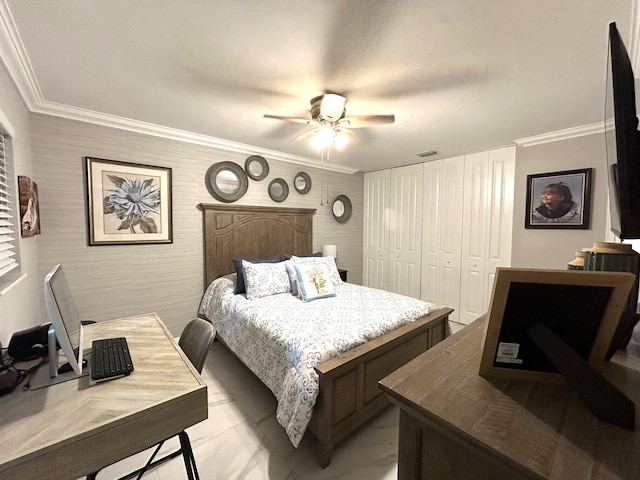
[
  {"x": 29, "y": 207},
  {"x": 559, "y": 199},
  {"x": 128, "y": 203}
]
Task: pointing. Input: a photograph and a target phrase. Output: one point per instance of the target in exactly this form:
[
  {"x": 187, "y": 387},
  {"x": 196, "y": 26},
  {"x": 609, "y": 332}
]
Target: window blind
[{"x": 8, "y": 222}]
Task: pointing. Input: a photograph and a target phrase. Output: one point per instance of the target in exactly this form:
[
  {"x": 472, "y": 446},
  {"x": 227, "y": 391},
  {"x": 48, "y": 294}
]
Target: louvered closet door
[
  {"x": 376, "y": 229},
  {"x": 405, "y": 230}
]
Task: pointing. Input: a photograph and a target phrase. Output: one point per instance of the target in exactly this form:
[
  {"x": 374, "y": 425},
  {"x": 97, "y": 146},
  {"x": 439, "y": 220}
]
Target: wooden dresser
[{"x": 455, "y": 424}]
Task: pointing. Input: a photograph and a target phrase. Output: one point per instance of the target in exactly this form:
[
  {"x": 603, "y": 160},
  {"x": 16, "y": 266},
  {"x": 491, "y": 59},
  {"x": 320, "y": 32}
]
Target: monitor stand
[{"x": 45, "y": 377}]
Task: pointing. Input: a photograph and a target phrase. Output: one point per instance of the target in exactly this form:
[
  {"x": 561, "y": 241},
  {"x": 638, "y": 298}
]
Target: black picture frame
[
  {"x": 571, "y": 215},
  {"x": 112, "y": 217}
]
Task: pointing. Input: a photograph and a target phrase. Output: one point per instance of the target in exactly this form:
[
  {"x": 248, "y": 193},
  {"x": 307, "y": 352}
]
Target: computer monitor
[{"x": 66, "y": 326}]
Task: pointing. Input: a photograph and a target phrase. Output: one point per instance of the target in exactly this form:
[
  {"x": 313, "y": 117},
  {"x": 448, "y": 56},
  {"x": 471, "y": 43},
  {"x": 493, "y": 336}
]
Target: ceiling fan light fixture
[
  {"x": 323, "y": 137},
  {"x": 327, "y": 136},
  {"x": 340, "y": 140},
  {"x": 332, "y": 106}
]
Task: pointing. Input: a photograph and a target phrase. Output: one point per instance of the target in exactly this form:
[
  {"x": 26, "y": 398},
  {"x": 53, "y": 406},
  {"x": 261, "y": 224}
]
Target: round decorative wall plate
[
  {"x": 257, "y": 167},
  {"x": 341, "y": 208},
  {"x": 227, "y": 181},
  {"x": 302, "y": 182},
  {"x": 278, "y": 190}
]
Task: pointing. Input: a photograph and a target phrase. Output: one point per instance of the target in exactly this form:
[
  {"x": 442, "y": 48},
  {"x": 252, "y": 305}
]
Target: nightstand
[{"x": 343, "y": 274}]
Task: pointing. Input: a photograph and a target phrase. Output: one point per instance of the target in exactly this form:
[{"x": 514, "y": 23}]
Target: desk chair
[{"x": 195, "y": 341}]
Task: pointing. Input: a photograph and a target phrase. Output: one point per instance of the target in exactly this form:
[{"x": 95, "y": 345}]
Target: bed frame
[{"x": 349, "y": 394}]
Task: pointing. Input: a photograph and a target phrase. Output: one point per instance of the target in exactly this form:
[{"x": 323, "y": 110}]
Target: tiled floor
[{"x": 241, "y": 439}]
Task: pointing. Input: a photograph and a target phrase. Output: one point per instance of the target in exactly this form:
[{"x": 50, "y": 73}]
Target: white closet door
[
  {"x": 451, "y": 234},
  {"x": 442, "y": 233},
  {"x": 430, "y": 288},
  {"x": 405, "y": 230},
  {"x": 376, "y": 229},
  {"x": 476, "y": 196},
  {"x": 498, "y": 250}
]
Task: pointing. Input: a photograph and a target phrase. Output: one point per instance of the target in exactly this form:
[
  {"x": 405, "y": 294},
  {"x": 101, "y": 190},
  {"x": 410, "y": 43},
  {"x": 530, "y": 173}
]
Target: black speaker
[{"x": 29, "y": 344}]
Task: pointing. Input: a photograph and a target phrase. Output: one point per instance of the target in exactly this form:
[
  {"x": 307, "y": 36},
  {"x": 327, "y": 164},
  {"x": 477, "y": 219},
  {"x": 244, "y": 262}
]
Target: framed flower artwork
[{"x": 128, "y": 203}]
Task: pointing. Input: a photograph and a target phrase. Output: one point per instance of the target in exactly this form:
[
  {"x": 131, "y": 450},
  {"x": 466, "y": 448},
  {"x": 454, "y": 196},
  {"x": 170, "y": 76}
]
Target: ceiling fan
[{"x": 330, "y": 121}]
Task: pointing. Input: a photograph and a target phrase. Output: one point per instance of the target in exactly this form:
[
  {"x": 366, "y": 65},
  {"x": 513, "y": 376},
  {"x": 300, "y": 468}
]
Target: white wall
[
  {"x": 538, "y": 248},
  {"x": 114, "y": 281},
  {"x": 19, "y": 306}
]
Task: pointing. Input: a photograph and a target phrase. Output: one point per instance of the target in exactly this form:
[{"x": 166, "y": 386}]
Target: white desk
[{"x": 72, "y": 429}]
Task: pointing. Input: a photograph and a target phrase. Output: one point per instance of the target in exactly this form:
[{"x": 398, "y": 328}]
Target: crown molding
[
  {"x": 559, "y": 135},
  {"x": 15, "y": 58},
  {"x": 136, "y": 126}
]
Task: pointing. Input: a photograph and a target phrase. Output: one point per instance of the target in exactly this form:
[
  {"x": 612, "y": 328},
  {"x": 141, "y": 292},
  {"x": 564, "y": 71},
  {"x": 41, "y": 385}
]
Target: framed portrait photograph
[
  {"x": 559, "y": 199},
  {"x": 128, "y": 203}
]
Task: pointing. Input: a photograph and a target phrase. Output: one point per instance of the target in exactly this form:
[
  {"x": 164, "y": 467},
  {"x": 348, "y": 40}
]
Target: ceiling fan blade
[
  {"x": 363, "y": 121},
  {"x": 290, "y": 119}
]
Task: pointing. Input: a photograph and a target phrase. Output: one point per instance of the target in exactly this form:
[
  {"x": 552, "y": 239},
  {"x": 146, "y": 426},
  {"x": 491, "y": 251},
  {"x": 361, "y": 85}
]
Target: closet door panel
[
  {"x": 376, "y": 229},
  {"x": 430, "y": 287},
  {"x": 405, "y": 225},
  {"x": 473, "y": 298},
  {"x": 476, "y": 192},
  {"x": 499, "y": 234},
  {"x": 377, "y": 273},
  {"x": 451, "y": 234}
]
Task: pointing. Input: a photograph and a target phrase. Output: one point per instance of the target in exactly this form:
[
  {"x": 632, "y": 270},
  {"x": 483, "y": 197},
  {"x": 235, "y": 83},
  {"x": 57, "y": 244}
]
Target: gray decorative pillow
[
  {"x": 329, "y": 262},
  {"x": 264, "y": 279}
]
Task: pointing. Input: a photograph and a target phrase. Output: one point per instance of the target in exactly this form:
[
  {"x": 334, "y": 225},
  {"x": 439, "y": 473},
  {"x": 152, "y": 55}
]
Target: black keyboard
[{"x": 110, "y": 358}]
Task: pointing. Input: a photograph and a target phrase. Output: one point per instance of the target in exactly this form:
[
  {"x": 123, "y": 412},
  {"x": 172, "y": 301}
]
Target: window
[{"x": 9, "y": 216}]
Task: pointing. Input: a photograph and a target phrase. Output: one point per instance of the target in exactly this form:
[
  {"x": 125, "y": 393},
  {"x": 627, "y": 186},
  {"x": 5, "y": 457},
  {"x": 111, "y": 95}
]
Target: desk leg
[{"x": 187, "y": 455}]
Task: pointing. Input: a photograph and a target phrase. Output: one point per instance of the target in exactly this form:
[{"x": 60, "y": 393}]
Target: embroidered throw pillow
[
  {"x": 314, "y": 281},
  {"x": 264, "y": 279},
  {"x": 328, "y": 262},
  {"x": 237, "y": 264}
]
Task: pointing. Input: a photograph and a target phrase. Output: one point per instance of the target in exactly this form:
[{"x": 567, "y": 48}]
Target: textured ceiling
[{"x": 460, "y": 76}]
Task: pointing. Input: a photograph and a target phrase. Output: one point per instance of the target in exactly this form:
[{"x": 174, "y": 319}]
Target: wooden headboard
[{"x": 252, "y": 232}]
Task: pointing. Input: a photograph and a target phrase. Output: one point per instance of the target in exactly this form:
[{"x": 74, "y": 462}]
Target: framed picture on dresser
[
  {"x": 581, "y": 308},
  {"x": 128, "y": 203}
]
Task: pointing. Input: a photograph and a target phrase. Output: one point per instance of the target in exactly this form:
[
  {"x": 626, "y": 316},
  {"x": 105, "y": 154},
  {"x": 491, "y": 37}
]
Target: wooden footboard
[{"x": 349, "y": 394}]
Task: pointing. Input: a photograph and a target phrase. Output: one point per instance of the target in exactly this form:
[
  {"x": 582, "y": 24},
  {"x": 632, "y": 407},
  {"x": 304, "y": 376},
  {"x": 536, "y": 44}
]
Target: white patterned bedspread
[{"x": 280, "y": 338}]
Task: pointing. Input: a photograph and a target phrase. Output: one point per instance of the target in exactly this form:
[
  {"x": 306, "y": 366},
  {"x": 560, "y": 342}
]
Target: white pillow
[
  {"x": 293, "y": 278},
  {"x": 314, "y": 281},
  {"x": 263, "y": 279},
  {"x": 329, "y": 262}
]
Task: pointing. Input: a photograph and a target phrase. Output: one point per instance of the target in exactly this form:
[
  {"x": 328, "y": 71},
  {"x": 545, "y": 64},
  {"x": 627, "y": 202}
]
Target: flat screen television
[
  {"x": 622, "y": 141},
  {"x": 66, "y": 326}
]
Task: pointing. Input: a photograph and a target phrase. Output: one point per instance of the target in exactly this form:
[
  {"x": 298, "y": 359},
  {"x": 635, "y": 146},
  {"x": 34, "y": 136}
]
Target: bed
[{"x": 348, "y": 393}]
